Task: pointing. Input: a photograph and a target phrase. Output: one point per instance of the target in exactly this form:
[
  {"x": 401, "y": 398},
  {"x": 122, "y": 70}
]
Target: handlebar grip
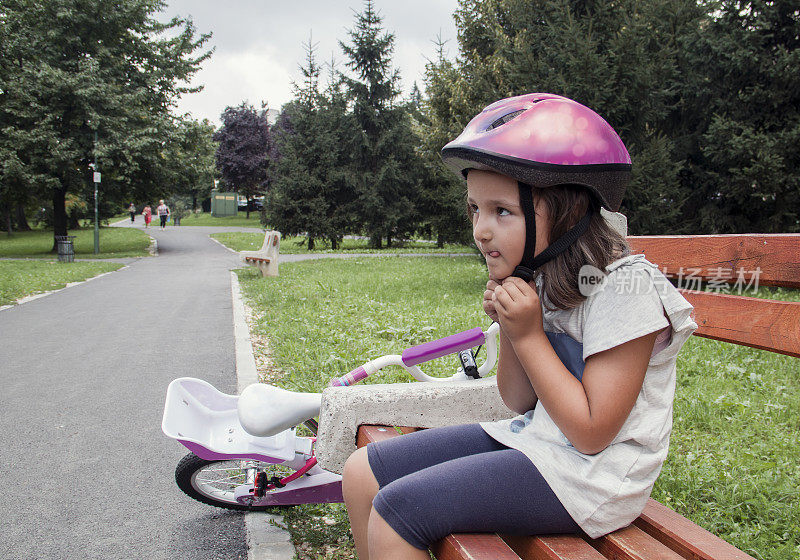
[
  {"x": 442, "y": 347},
  {"x": 349, "y": 379}
]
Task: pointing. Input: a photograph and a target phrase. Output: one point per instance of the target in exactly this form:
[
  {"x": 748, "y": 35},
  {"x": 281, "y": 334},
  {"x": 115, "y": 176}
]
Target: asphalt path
[{"x": 85, "y": 469}]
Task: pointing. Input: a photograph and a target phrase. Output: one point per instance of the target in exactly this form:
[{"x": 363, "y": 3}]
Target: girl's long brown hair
[{"x": 599, "y": 246}]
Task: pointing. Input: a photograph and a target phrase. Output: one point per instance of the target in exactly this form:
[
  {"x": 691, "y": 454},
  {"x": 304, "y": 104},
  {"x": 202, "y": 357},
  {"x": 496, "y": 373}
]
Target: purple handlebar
[{"x": 442, "y": 347}]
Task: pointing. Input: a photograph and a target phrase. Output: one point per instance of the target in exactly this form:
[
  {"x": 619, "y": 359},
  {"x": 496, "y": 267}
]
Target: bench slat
[
  {"x": 760, "y": 323},
  {"x": 552, "y": 547},
  {"x": 683, "y": 536},
  {"x": 473, "y": 546},
  {"x": 776, "y": 256},
  {"x": 631, "y": 543},
  {"x": 257, "y": 259}
]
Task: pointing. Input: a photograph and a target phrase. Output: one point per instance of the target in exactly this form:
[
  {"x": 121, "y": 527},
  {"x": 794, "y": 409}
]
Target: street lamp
[{"x": 96, "y": 179}]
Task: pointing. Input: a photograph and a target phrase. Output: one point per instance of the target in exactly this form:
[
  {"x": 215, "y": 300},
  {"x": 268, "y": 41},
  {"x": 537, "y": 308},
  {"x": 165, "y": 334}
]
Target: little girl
[
  {"x": 589, "y": 367},
  {"x": 147, "y": 212}
]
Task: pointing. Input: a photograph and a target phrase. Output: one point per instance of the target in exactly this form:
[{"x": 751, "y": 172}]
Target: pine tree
[
  {"x": 311, "y": 192},
  {"x": 620, "y": 58},
  {"x": 383, "y": 145},
  {"x": 744, "y": 161},
  {"x": 706, "y": 95},
  {"x": 442, "y": 192},
  {"x": 339, "y": 127}
]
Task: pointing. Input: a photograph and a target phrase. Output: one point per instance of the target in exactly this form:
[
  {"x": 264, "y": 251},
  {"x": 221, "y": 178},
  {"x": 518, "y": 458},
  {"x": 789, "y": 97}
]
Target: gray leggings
[{"x": 459, "y": 480}]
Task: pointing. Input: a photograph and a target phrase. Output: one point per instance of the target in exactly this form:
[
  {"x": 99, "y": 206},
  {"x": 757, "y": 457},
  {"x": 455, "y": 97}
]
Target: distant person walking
[
  {"x": 163, "y": 213},
  {"x": 132, "y": 210},
  {"x": 148, "y": 215}
]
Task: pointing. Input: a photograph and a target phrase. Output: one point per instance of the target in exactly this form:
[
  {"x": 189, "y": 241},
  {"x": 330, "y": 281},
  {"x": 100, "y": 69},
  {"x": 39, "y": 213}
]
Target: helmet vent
[{"x": 503, "y": 120}]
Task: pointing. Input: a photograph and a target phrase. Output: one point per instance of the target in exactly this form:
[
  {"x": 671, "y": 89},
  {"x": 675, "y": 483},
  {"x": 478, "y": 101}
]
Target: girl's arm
[
  {"x": 513, "y": 383},
  {"x": 514, "y": 386},
  {"x": 589, "y": 413}
]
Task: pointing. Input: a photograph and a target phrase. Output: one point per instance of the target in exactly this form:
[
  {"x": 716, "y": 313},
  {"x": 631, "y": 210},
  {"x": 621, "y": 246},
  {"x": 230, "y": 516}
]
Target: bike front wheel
[{"x": 214, "y": 482}]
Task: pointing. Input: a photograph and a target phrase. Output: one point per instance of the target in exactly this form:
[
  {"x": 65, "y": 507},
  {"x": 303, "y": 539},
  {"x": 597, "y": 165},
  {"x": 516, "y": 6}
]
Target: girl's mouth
[{"x": 493, "y": 254}]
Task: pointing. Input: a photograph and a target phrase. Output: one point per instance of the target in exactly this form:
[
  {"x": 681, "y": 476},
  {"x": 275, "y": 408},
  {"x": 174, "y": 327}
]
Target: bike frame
[{"x": 219, "y": 427}]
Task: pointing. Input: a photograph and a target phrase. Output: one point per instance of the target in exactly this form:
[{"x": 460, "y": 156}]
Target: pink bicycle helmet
[{"x": 543, "y": 140}]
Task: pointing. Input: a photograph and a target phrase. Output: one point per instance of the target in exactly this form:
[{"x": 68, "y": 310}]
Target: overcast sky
[{"x": 259, "y": 44}]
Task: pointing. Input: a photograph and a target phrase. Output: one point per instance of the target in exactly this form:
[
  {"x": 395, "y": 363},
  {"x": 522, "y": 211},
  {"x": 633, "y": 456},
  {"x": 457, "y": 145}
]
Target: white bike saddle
[{"x": 266, "y": 410}]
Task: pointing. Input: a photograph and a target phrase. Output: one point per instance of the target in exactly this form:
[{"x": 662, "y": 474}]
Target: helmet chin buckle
[{"x": 524, "y": 273}]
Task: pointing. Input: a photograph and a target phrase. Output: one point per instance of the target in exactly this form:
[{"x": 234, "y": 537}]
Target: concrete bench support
[
  {"x": 427, "y": 405},
  {"x": 266, "y": 258}
]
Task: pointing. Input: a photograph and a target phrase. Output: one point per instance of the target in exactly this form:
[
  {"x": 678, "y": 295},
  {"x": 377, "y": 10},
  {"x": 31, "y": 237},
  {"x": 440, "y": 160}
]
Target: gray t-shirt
[{"x": 606, "y": 491}]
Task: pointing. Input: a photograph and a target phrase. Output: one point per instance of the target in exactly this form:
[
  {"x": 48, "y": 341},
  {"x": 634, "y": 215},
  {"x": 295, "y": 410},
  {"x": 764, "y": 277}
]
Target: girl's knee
[
  {"x": 356, "y": 465},
  {"x": 357, "y": 476}
]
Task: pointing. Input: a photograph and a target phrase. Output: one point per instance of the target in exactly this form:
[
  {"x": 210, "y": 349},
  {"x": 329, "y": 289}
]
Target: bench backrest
[
  {"x": 736, "y": 264},
  {"x": 271, "y": 239}
]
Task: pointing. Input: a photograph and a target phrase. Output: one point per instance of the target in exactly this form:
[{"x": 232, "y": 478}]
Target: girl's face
[{"x": 498, "y": 224}]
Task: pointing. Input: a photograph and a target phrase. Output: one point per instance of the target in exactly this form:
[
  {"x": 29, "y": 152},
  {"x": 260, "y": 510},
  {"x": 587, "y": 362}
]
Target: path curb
[
  {"x": 267, "y": 538},
  {"x": 222, "y": 245}
]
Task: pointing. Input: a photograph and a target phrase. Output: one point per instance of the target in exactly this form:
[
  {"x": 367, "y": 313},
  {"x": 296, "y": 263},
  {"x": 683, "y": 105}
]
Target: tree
[
  {"x": 706, "y": 96},
  {"x": 442, "y": 194},
  {"x": 295, "y": 204},
  {"x": 71, "y": 69},
  {"x": 743, "y": 162},
  {"x": 194, "y": 160},
  {"x": 14, "y": 183},
  {"x": 339, "y": 129},
  {"x": 382, "y": 146},
  {"x": 619, "y": 58},
  {"x": 243, "y": 152},
  {"x": 311, "y": 189}
]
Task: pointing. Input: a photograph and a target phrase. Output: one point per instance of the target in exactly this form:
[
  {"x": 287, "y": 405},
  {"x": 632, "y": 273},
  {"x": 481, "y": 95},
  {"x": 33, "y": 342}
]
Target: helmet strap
[
  {"x": 529, "y": 212},
  {"x": 530, "y": 263}
]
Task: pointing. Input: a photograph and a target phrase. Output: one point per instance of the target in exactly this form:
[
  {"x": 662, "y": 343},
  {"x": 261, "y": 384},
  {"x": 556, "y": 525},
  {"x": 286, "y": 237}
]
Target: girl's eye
[
  {"x": 503, "y": 212},
  {"x": 473, "y": 208}
]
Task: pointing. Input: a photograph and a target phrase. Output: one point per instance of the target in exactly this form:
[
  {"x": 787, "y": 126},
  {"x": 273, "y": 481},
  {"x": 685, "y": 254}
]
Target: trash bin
[{"x": 66, "y": 248}]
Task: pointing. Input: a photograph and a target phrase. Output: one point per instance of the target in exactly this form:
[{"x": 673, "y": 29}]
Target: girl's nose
[{"x": 481, "y": 231}]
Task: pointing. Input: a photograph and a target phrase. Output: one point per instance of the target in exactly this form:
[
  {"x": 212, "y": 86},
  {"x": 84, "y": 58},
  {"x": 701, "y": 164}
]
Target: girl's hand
[
  {"x": 518, "y": 308},
  {"x": 488, "y": 303}
]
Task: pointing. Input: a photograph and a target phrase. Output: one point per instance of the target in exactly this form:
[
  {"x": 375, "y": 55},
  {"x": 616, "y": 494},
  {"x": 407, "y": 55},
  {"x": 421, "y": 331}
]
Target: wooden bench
[
  {"x": 765, "y": 324},
  {"x": 266, "y": 258}
]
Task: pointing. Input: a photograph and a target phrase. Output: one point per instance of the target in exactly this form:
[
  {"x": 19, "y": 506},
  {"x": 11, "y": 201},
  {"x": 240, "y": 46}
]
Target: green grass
[
  {"x": 733, "y": 459},
  {"x": 768, "y": 292},
  {"x": 110, "y": 220},
  {"x": 245, "y": 241},
  {"x": 206, "y": 219},
  {"x": 331, "y": 316},
  {"x": 114, "y": 242},
  {"x": 24, "y": 278},
  {"x": 320, "y": 531}
]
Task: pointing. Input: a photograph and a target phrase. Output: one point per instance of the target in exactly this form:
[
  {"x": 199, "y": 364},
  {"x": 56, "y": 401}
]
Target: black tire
[{"x": 189, "y": 475}]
